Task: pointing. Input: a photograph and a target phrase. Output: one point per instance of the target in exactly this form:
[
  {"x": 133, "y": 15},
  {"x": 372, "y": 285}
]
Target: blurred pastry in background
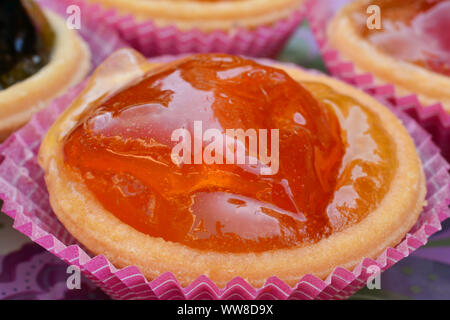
[
  {"x": 39, "y": 59},
  {"x": 249, "y": 27},
  {"x": 411, "y": 49}
]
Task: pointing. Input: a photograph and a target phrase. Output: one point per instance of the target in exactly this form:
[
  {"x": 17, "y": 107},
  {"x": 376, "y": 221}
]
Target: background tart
[
  {"x": 348, "y": 34},
  {"x": 103, "y": 233},
  {"x": 69, "y": 64},
  {"x": 206, "y": 15}
]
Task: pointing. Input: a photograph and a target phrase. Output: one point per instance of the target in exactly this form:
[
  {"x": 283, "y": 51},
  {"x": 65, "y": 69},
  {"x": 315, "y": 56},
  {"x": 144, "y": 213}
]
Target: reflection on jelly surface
[
  {"x": 329, "y": 177},
  {"x": 368, "y": 164},
  {"x": 414, "y": 31}
]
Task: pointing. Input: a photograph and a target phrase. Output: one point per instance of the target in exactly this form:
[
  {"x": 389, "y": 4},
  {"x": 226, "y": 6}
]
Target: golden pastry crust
[
  {"x": 431, "y": 87},
  {"x": 207, "y": 16},
  {"x": 102, "y": 233},
  {"x": 69, "y": 64}
]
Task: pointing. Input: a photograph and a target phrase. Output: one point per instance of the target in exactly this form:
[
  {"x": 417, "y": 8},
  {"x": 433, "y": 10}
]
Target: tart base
[
  {"x": 69, "y": 64},
  {"x": 102, "y": 233}
]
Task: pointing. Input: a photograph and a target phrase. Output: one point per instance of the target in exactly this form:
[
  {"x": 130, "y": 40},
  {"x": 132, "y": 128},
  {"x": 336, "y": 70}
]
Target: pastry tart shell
[
  {"x": 69, "y": 64},
  {"x": 102, "y": 233},
  {"x": 430, "y": 87}
]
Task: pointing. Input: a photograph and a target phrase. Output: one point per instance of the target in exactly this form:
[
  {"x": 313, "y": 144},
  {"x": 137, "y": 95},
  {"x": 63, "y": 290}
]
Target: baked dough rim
[{"x": 102, "y": 233}]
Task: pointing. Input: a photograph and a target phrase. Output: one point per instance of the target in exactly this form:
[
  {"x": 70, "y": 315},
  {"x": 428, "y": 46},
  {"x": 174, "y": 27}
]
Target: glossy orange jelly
[
  {"x": 414, "y": 31},
  {"x": 335, "y": 162}
]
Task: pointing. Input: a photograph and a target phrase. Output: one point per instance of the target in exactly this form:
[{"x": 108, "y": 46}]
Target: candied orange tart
[
  {"x": 206, "y": 15},
  {"x": 411, "y": 49},
  {"x": 40, "y": 59},
  {"x": 217, "y": 165}
]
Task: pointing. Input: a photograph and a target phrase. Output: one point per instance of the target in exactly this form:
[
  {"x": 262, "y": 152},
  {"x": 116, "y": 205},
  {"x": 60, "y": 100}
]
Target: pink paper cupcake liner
[
  {"x": 151, "y": 40},
  {"x": 25, "y": 197},
  {"x": 433, "y": 118}
]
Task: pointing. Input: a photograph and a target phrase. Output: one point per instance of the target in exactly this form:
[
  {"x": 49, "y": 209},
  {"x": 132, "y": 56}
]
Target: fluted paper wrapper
[
  {"x": 433, "y": 118},
  {"x": 26, "y": 200},
  {"x": 152, "y": 40}
]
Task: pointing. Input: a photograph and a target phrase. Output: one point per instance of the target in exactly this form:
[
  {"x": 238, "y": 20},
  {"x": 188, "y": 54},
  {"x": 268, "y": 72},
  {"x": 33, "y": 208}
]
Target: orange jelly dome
[
  {"x": 414, "y": 31},
  {"x": 330, "y": 175}
]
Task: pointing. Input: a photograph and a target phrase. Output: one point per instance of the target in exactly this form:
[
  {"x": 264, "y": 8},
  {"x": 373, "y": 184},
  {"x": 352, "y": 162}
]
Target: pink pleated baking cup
[
  {"x": 151, "y": 40},
  {"x": 26, "y": 200},
  {"x": 433, "y": 118}
]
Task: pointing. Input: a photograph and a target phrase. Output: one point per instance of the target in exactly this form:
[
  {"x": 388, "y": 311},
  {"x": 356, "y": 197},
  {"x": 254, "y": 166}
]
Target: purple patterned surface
[{"x": 33, "y": 273}]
